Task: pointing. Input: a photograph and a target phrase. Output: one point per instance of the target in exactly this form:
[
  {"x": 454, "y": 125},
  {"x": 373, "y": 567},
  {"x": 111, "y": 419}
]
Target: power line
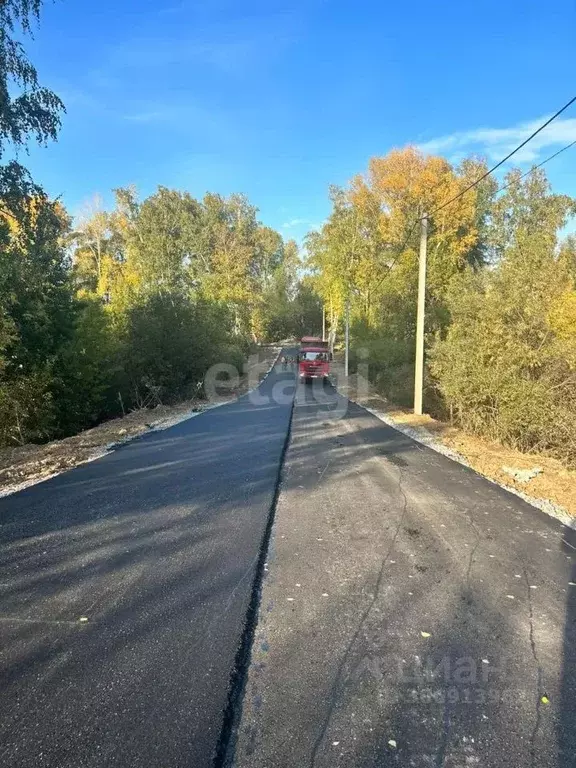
[
  {"x": 500, "y": 189},
  {"x": 508, "y": 156},
  {"x": 485, "y": 175},
  {"x": 535, "y": 167},
  {"x": 398, "y": 253}
]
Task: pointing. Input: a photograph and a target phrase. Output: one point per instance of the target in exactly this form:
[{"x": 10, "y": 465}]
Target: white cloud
[
  {"x": 296, "y": 223},
  {"x": 496, "y": 143}
]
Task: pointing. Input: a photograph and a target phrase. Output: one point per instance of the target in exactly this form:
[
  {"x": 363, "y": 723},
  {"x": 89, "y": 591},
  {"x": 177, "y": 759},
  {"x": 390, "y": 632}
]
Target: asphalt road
[
  {"x": 124, "y": 586},
  {"x": 412, "y": 613}
]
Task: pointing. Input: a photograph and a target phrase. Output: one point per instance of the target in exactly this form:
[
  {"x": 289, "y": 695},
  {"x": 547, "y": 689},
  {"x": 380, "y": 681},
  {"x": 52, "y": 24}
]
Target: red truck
[{"x": 313, "y": 359}]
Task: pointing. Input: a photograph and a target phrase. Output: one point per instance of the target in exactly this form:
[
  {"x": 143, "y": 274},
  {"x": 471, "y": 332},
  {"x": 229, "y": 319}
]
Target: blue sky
[{"x": 280, "y": 98}]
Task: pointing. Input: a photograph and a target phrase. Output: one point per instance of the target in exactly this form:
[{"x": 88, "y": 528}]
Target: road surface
[
  {"x": 124, "y": 586},
  {"x": 412, "y": 613}
]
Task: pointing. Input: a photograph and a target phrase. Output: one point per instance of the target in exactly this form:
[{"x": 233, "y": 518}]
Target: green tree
[
  {"x": 163, "y": 242},
  {"x": 506, "y": 366},
  {"x": 38, "y": 317},
  {"x": 306, "y": 310},
  {"x": 27, "y": 110},
  {"x": 171, "y": 342},
  {"x": 36, "y": 313},
  {"x": 88, "y": 372}
]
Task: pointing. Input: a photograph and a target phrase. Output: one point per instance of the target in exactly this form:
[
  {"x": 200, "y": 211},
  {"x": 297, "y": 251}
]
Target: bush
[
  {"x": 171, "y": 342},
  {"x": 27, "y": 412},
  {"x": 390, "y": 361},
  {"x": 87, "y": 373},
  {"x": 502, "y": 368}
]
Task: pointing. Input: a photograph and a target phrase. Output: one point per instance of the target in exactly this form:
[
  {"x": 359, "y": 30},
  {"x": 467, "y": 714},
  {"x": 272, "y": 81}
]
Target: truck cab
[{"x": 313, "y": 363}]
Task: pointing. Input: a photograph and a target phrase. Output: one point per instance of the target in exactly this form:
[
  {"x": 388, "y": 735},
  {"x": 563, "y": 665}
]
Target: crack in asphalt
[
  {"x": 324, "y": 470},
  {"x": 474, "y": 549},
  {"x": 336, "y": 687},
  {"x": 539, "y": 669}
]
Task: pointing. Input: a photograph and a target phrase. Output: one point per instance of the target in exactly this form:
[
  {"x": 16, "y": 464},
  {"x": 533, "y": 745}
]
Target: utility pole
[
  {"x": 323, "y": 322},
  {"x": 419, "y": 374},
  {"x": 347, "y": 337}
]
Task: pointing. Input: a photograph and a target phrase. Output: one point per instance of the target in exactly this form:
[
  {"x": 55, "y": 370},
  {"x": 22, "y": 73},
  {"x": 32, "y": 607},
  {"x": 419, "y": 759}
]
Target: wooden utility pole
[
  {"x": 347, "y": 337},
  {"x": 419, "y": 374}
]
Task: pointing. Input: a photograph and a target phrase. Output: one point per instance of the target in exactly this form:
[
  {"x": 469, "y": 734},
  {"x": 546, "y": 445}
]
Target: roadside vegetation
[
  {"x": 125, "y": 308},
  {"x": 129, "y": 307},
  {"x": 501, "y": 298}
]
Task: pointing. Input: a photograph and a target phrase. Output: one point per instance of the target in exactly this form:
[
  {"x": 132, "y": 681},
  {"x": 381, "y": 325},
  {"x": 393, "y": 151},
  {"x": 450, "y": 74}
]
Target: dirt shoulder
[
  {"x": 541, "y": 480},
  {"x": 25, "y": 465}
]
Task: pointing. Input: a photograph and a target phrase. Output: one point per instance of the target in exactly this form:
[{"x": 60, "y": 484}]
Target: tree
[
  {"x": 163, "y": 241},
  {"x": 231, "y": 231},
  {"x": 337, "y": 255},
  {"x": 171, "y": 342},
  {"x": 95, "y": 243},
  {"x": 88, "y": 371},
  {"x": 306, "y": 310},
  {"x": 506, "y": 367},
  {"x": 26, "y": 108},
  {"x": 37, "y": 316},
  {"x": 367, "y": 253}
]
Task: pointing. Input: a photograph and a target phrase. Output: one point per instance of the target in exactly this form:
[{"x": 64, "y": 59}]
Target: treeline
[
  {"x": 126, "y": 308},
  {"x": 501, "y": 299},
  {"x": 132, "y": 306}
]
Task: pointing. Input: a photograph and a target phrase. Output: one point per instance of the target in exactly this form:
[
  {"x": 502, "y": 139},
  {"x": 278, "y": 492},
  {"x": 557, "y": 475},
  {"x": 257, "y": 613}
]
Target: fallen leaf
[
  {"x": 425, "y": 634},
  {"x": 545, "y": 699},
  {"x": 392, "y": 743}
]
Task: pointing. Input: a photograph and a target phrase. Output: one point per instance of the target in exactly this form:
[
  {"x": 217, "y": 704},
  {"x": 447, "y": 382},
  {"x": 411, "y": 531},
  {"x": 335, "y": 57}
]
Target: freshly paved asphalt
[
  {"x": 156, "y": 545},
  {"x": 412, "y": 613}
]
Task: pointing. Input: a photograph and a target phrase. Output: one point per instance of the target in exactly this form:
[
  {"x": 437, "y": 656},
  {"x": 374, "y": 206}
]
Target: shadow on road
[
  {"x": 124, "y": 586},
  {"x": 155, "y": 545},
  {"x": 444, "y": 628}
]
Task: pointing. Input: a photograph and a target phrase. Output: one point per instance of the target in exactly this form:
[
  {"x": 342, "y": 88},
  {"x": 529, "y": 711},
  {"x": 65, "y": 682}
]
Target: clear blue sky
[{"x": 280, "y": 98}]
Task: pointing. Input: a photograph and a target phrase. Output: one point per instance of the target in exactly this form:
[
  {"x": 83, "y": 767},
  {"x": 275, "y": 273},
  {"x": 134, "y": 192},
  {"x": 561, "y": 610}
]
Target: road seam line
[{"x": 226, "y": 746}]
